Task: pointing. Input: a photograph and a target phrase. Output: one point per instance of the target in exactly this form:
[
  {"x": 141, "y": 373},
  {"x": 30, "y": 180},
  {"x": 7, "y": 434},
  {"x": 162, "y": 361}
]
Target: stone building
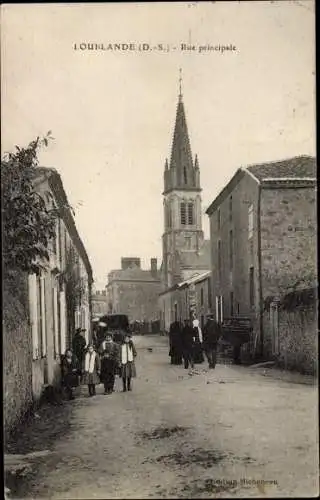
[
  {"x": 40, "y": 320},
  {"x": 263, "y": 239},
  {"x": 192, "y": 296},
  {"x": 184, "y": 249},
  {"x": 134, "y": 291},
  {"x": 100, "y": 304}
]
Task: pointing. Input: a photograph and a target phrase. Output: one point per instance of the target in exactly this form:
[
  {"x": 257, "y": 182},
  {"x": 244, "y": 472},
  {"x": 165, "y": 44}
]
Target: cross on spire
[{"x": 180, "y": 84}]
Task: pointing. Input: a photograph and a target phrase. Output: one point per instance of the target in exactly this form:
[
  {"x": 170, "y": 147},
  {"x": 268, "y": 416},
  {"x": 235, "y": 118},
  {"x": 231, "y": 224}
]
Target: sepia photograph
[{"x": 159, "y": 255}]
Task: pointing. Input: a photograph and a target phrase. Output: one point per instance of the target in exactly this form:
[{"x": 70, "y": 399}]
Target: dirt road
[{"x": 228, "y": 432}]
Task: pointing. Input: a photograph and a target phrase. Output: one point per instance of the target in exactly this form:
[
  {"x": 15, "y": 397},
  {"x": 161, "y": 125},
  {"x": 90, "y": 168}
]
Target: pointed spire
[
  {"x": 196, "y": 162},
  {"x": 181, "y": 157},
  {"x": 180, "y": 85},
  {"x": 166, "y": 166}
]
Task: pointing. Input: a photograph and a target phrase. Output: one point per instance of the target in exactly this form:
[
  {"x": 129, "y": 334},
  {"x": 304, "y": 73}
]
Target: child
[
  {"x": 70, "y": 372},
  {"x": 127, "y": 366},
  {"x": 91, "y": 370},
  {"x": 109, "y": 363}
]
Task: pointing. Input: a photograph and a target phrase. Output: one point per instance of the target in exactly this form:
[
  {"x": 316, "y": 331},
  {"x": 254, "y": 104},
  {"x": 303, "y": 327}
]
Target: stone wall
[
  {"x": 17, "y": 351},
  {"x": 234, "y": 216},
  {"x": 139, "y": 300},
  {"x": 297, "y": 344},
  {"x": 298, "y": 336},
  {"x": 288, "y": 239}
]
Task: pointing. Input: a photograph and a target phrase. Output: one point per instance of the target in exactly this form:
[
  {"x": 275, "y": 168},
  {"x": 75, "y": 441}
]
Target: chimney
[
  {"x": 154, "y": 269},
  {"x": 130, "y": 262}
]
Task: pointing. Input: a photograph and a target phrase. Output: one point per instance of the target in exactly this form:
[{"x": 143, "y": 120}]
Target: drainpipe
[{"x": 260, "y": 271}]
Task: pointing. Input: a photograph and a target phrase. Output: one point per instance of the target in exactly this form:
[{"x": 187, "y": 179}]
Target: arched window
[
  {"x": 169, "y": 215},
  {"x": 190, "y": 213},
  {"x": 183, "y": 213}
]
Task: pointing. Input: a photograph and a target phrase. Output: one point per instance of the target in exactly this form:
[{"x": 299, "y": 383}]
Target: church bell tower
[{"x": 181, "y": 200}]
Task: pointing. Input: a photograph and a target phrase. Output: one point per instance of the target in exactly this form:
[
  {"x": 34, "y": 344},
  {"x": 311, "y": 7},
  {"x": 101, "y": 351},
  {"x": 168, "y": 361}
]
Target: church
[{"x": 185, "y": 252}]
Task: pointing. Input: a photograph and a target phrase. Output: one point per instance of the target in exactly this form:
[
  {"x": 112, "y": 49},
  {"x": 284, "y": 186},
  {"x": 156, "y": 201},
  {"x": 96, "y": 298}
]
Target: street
[{"x": 211, "y": 434}]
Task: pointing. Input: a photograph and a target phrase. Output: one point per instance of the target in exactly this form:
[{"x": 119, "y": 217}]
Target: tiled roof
[
  {"x": 297, "y": 167},
  {"x": 300, "y": 168},
  {"x": 197, "y": 260}
]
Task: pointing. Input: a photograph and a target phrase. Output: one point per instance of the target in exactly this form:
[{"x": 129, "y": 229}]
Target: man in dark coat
[
  {"x": 79, "y": 345},
  {"x": 175, "y": 343},
  {"x": 211, "y": 334},
  {"x": 187, "y": 338}
]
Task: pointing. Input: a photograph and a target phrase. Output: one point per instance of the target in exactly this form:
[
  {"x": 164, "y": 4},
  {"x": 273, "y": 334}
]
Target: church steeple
[{"x": 181, "y": 174}]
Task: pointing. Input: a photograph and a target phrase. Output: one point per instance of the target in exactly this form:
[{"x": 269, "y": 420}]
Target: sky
[{"x": 112, "y": 113}]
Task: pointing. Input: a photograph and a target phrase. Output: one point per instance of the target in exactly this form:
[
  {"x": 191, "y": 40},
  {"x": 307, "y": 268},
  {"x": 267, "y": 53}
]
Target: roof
[
  {"x": 55, "y": 183},
  {"x": 195, "y": 279},
  {"x": 196, "y": 260},
  {"x": 299, "y": 169},
  {"x": 181, "y": 150},
  {"x": 184, "y": 174},
  {"x": 132, "y": 274}
]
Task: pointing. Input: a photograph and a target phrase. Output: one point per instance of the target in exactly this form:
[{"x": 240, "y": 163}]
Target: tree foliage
[{"x": 28, "y": 224}]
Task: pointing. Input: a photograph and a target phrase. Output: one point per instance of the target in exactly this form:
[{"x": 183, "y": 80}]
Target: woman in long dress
[
  {"x": 175, "y": 343},
  {"x": 91, "y": 370},
  {"x": 109, "y": 363},
  {"x": 70, "y": 371},
  {"x": 127, "y": 366}
]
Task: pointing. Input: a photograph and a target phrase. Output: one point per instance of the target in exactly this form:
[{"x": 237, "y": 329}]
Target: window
[
  {"x": 41, "y": 316},
  {"x": 219, "y": 218},
  {"x": 188, "y": 242},
  {"x": 231, "y": 249},
  {"x": 168, "y": 215},
  {"x": 185, "y": 178},
  {"x": 219, "y": 258},
  {"x": 201, "y": 296},
  {"x": 190, "y": 214},
  {"x": 251, "y": 286},
  {"x": 230, "y": 208},
  {"x": 183, "y": 213},
  {"x": 250, "y": 221}
]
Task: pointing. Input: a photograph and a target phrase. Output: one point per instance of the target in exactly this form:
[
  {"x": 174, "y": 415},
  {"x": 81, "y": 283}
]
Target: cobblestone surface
[{"x": 228, "y": 432}]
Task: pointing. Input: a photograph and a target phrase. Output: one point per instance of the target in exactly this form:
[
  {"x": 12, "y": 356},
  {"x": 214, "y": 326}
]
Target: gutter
[{"x": 260, "y": 271}]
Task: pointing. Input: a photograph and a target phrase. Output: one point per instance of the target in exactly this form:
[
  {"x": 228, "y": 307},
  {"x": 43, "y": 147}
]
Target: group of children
[{"x": 93, "y": 367}]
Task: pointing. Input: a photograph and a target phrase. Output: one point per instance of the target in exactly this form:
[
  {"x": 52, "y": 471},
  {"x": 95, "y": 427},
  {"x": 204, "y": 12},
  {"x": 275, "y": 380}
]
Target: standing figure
[
  {"x": 198, "y": 348},
  {"x": 127, "y": 366},
  {"x": 79, "y": 345},
  {"x": 91, "y": 370},
  {"x": 70, "y": 370},
  {"x": 175, "y": 343},
  {"x": 211, "y": 334},
  {"x": 187, "y": 338},
  {"x": 109, "y": 363}
]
